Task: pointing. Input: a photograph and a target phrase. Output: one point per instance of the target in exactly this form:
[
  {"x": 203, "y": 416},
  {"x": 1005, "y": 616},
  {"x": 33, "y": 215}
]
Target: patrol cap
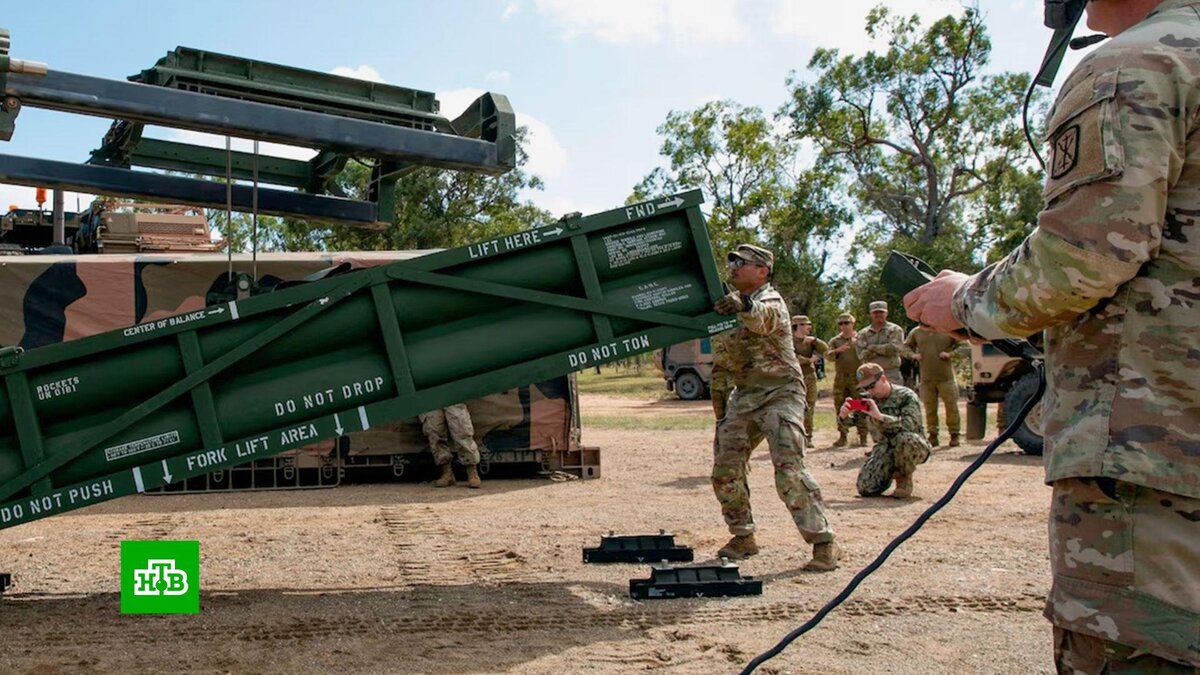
[
  {"x": 801, "y": 320},
  {"x": 752, "y": 254},
  {"x": 867, "y": 373},
  {"x": 878, "y": 306},
  {"x": 845, "y": 316}
]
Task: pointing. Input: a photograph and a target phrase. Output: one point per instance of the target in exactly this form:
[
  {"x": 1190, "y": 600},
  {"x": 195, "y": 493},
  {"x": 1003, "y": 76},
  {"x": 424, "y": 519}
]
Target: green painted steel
[
  {"x": 236, "y": 77},
  {"x": 131, "y": 410}
]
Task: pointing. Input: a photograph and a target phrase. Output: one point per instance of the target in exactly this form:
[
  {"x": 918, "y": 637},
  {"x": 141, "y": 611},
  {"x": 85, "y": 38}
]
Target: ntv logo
[{"x": 160, "y": 577}]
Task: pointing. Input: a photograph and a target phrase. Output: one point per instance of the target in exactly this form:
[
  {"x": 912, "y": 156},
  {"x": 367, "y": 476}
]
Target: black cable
[{"x": 908, "y": 533}]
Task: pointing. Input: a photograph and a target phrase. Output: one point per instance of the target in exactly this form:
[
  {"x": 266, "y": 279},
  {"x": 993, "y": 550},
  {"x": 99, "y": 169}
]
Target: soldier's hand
[
  {"x": 732, "y": 303},
  {"x": 873, "y": 409},
  {"x": 916, "y": 357},
  {"x": 930, "y": 304},
  {"x": 844, "y": 411},
  {"x": 945, "y": 356},
  {"x": 808, "y": 339}
]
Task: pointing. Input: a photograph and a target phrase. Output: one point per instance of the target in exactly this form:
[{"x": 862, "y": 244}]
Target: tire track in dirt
[
  {"x": 429, "y": 553},
  {"x": 475, "y": 614}
]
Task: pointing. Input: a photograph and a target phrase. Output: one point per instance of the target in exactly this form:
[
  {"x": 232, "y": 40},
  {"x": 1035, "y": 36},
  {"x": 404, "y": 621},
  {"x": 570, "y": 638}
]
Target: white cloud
[
  {"x": 363, "y": 72},
  {"x": 842, "y": 25},
  {"x": 498, "y": 76},
  {"x": 510, "y": 8},
  {"x": 26, "y": 198},
  {"x": 695, "y": 22},
  {"x": 547, "y": 157}
]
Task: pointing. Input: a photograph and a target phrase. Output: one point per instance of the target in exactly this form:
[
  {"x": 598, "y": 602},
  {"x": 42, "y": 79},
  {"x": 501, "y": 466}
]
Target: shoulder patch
[{"x": 1064, "y": 151}]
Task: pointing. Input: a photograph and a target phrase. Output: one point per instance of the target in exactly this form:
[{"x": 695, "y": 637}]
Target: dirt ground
[{"x": 409, "y": 578}]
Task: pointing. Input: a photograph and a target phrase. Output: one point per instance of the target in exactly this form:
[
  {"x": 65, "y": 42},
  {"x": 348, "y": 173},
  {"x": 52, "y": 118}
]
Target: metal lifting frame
[{"x": 385, "y": 123}]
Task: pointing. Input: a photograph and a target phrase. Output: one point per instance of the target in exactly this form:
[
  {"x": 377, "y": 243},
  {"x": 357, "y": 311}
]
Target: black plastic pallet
[
  {"x": 638, "y": 548},
  {"x": 694, "y": 581}
]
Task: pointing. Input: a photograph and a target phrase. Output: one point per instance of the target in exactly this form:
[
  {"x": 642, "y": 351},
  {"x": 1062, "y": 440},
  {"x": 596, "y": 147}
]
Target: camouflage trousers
[
  {"x": 1079, "y": 654},
  {"x": 1126, "y": 570},
  {"x": 842, "y": 390},
  {"x": 892, "y": 456},
  {"x": 451, "y": 424},
  {"x": 779, "y": 422},
  {"x": 810, "y": 397},
  {"x": 945, "y": 391}
]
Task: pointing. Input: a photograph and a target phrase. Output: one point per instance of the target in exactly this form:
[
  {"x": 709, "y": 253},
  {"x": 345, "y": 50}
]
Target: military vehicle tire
[
  {"x": 1029, "y": 436},
  {"x": 689, "y": 386}
]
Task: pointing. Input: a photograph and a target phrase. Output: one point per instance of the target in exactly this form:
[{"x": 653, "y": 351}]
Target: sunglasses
[
  {"x": 738, "y": 263},
  {"x": 844, "y": 323}
]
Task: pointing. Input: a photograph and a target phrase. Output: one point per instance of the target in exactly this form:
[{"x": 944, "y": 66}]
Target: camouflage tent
[{"x": 50, "y": 299}]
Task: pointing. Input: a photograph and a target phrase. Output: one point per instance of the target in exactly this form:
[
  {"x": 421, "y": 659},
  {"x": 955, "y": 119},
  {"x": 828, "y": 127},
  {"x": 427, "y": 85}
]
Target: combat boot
[
  {"x": 825, "y": 557},
  {"x": 473, "y": 480},
  {"x": 933, "y": 440},
  {"x": 843, "y": 439},
  {"x": 447, "y": 477},
  {"x": 954, "y": 440},
  {"x": 740, "y": 546},
  {"x": 904, "y": 487}
]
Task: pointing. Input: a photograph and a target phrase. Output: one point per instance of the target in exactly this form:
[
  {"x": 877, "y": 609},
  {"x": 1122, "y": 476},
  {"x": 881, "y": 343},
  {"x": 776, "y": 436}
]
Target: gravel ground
[{"x": 409, "y": 578}]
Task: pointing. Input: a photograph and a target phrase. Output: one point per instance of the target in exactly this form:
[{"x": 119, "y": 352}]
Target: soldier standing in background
[
  {"x": 881, "y": 342},
  {"x": 845, "y": 385},
  {"x": 453, "y": 424},
  {"x": 934, "y": 354},
  {"x": 894, "y": 417},
  {"x": 767, "y": 397},
  {"x": 1111, "y": 273},
  {"x": 808, "y": 351}
]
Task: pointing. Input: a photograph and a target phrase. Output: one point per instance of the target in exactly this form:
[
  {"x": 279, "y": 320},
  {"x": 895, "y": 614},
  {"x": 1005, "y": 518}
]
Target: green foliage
[
  {"x": 435, "y": 208},
  {"x": 935, "y": 148},
  {"x": 731, "y": 153},
  {"x": 735, "y": 155}
]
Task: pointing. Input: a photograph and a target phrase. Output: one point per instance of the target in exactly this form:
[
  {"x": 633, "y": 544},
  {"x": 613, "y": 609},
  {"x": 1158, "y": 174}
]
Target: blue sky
[{"x": 592, "y": 79}]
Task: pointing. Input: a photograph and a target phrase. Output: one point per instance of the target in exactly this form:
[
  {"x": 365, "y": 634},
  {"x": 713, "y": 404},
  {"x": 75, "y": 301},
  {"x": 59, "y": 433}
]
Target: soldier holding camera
[{"x": 893, "y": 415}]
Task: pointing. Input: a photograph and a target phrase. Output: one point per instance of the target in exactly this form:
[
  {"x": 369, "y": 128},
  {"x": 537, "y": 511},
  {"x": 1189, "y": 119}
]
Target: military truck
[
  {"x": 687, "y": 368},
  {"x": 1010, "y": 382}
]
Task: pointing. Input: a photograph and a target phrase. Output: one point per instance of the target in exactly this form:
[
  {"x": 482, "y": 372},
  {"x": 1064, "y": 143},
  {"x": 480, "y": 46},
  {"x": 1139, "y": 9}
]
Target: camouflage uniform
[
  {"x": 937, "y": 377},
  {"x": 457, "y": 421},
  {"x": 768, "y": 400},
  {"x": 900, "y": 443},
  {"x": 1112, "y": 274},
  {"x": 882, "y": 346},
  {"x": 804, "y": 354},
  {"x": 845, "y": 386}
]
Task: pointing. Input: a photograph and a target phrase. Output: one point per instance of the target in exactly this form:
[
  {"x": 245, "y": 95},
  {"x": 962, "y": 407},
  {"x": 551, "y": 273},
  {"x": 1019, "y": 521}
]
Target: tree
[
  {"x": 733, "y": 154},
  {"x": 742, "y": 163},
  {"x": 918, "y": 124},
  {"x": 435, "y": 208},
  {"x": 800, "y": 231},
  {"x": 933, "y": 144}
]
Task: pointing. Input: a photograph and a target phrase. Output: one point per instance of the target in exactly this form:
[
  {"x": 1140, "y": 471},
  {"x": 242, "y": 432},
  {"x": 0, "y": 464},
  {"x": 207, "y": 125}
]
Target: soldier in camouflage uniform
[
  {"x": 844, "y": 355},
  {"x": 881, "y": 342},
  {"x": 808, "y": 351},
  {"x": 767, "y": 398},
  {"x": 1112, "y": 275},
  {"x": 894, "y": 418},
  {"x": 934, "y": 353},
  {"x": 453, "y": 424}
]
